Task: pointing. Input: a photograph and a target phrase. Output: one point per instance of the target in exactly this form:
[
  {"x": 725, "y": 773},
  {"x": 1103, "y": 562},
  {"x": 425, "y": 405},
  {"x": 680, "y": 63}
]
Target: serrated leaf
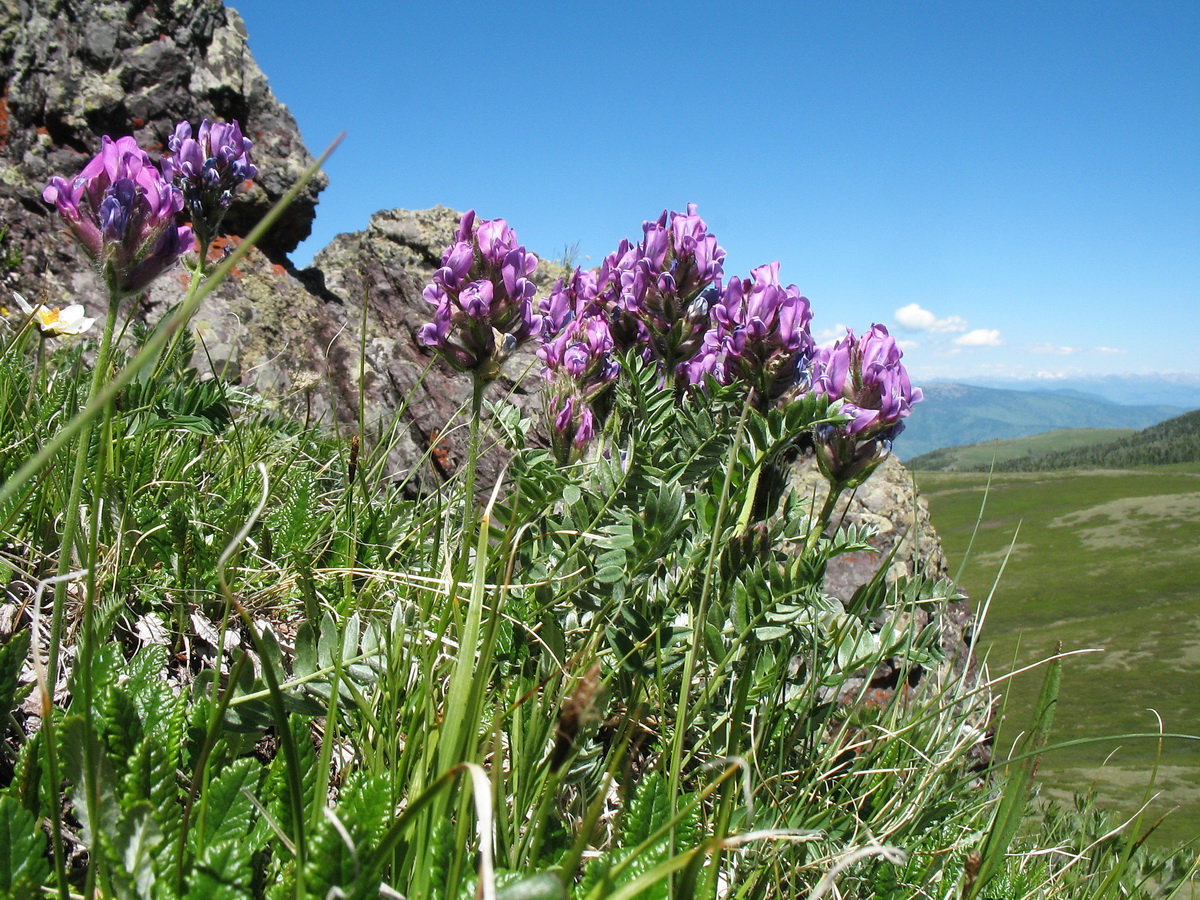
[
  {"x": 222, "y": 872},
  {"x": 227, "y": 811},
  {"x": 151, "y": 777},
  {"x": 123, "y": 728},
  {"x": 135, "y": 841},
  {"x": 12, "y": 657},
  {"x": 23, "y": 864},
  {"x": 98, "y": 780}
]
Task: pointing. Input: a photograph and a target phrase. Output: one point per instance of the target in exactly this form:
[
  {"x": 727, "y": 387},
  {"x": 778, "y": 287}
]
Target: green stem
[
  {"x": 477, "y": 387},
  {"x": 198, "y": 273},
  {"x": 818, "y": 527},
  {"x": 733, "y": 750},
  {"x": 75, "y": 497},
  {"x": 698, "y": 619},
  {"x": 39, "y": 379}
]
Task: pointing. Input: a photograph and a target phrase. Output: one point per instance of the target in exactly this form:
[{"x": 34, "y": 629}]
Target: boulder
[{"x": 73, "y": 70}]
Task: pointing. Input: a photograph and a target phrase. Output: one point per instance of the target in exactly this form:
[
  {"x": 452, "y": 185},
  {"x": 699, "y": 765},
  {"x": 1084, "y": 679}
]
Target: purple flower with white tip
[
  {"x": 761, "y": 335},
  {"x": 658, "y": 292},
  {"x": 122, "y": 211},
  {"x": 866, "y": 374},
  {"x": 580, "y": 363},
  {"x": 482, "y": 298},
  {"x": 209, "y": 169}
]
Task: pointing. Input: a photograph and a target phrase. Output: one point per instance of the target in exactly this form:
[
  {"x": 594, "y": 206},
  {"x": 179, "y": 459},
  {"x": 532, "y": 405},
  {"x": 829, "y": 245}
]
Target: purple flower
[
  {"x": 583, "y": 350},
  {"x": 656, "y": 292},
  {"x": 482, "y": 298},
  {"x": 866, "y": 374},
  {"x": 571, "y": 299},
  {"x": 760, "y": 335},
  {"x": 122, "y": 211},
  {"x": 574, "y": 428},
  {"x": 580, "y": 363},
  {"x": 209, "y": 169}
]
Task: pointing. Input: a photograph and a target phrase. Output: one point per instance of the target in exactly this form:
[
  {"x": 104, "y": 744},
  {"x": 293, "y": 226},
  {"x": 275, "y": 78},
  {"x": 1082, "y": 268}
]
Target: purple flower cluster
[
  {"x": 578, "y": 353},
  {"x": 866, "y": 374},
  {"x": 122, "y": 211},
  {"x": 655, "y": 290},
  {"x": 209, "y": 168},
  {"x": 760, "y": 336},
  {"x": 662, "y": 297},
  {"x": 482, "y": 298}
]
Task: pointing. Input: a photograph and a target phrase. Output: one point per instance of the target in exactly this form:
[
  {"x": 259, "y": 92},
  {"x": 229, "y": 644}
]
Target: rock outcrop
[
  {"x": 889, "y": 505},
  {"x": 73, "y": 70}
]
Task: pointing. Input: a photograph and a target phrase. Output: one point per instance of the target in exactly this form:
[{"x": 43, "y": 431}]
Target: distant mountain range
[
  {"x": 955, "y": 414},
  {"x": 1180, "y": 389}
]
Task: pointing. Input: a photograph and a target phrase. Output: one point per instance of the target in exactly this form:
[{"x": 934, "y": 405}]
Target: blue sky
[{"x": 1012, "y": 188}]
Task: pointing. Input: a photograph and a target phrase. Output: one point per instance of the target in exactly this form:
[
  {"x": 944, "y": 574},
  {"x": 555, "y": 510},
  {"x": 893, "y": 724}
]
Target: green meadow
[
  {"x": 982, "y": 455},
  {"x": 1104, "y": 561}
]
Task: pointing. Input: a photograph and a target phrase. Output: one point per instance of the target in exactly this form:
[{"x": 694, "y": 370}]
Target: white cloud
[
  {"x": 1053, "y": 349},
  {"x": 917, "y": 317},
  {"x": 906, "y": 346},
  {"x": 980, "y": 337},
  {"x": 1110, "y": 350},
  {"x": 913, "y": 316},
  {"x": 950, "y": 325},
  {"x": 827, "y": 337}
]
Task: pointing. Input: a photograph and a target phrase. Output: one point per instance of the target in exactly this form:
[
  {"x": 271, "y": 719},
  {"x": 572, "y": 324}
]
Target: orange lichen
[
  {"x": 222, "y": 245},
  {"x": 439, "y": 453},
  {"x": 4, "y": 118}
]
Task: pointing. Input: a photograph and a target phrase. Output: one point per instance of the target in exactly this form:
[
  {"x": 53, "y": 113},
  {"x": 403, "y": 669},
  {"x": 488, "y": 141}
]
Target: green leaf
[
  {"x": 23, "y": 864},
  {"x": 135, "y": 841},
  {"x": 222, "y": 872},
  {"x": 12, "y": 657},
  {"x": 228, "y": 812},
  {"x": 97, "y": 780},
  {"x": 768, "y": 633},
  {"x": 123, "y": 728},
  {"x": 306, "y": 662}
]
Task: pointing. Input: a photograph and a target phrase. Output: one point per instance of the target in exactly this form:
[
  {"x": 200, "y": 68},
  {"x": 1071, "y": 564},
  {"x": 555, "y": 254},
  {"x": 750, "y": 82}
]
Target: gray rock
[{"x": 73, "y": 70}]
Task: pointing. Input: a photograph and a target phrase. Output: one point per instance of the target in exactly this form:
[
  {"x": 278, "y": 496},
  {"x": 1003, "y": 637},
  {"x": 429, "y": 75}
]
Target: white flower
[{"x": 57, "y": 322}]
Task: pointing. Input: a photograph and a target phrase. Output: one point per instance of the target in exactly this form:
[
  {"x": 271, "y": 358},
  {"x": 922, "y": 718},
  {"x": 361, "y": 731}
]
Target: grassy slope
[
  {"x": 955, "y": 414},
  {"x": 981, "y": 455},
  {"x": 1176, "y": 440},
  {"x": 1102, "y": 559}
]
